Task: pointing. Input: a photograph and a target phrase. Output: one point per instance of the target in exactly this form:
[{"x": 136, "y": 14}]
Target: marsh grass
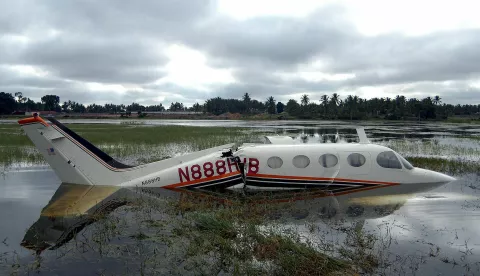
[
  {"x": 168, "y": 236},
  {"x": 453, "y": 167},
  {"x": 132, "y": 143},
  {"x": 234, "y": 235},
  {"x": 252, "y": 231},
  {"x": 463, "y": 120},
  {"x": 433, "y": 148},
  {"x": 471, "y": 137},
  {"x": 205, "y": 235}
]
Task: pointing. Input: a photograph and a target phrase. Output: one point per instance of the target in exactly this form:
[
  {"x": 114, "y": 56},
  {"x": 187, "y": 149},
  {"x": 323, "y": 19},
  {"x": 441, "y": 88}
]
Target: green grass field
[
  {"x": 135, "y": 143},
  {"x": 139, "y": 143}
]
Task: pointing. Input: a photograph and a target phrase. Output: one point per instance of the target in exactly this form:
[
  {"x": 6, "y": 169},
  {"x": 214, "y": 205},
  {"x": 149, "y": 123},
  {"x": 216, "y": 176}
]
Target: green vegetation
[
  {"x": 203, "y": 235},
  {"x": 328, "y": 107},
  {"x": 136, "y": 143},
  {"x": 433, "y": 148},
  {"x": 453, "y": 167},
  {"x": 464, "y": 120},
  {"x": 472, "y": 137},
  {"x": 241, "y": 238}
]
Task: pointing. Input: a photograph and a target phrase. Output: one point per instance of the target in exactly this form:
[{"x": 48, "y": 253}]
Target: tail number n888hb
[{"x": 209, "y": 169}]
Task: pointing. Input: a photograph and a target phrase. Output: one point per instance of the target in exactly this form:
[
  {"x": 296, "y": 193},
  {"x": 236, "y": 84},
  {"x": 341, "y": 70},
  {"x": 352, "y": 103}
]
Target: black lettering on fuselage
[{"x": 150, "y": 181}]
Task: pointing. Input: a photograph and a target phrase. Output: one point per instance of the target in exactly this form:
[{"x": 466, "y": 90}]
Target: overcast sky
[{"x": 160, "y": 51}]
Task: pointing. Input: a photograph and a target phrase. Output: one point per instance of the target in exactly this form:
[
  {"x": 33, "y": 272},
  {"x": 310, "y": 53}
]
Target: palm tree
[
  {"x": 20, "y": 97},
  {"x": 355, "y": 103},
  {"x": 349, "y": 105},
  {"x": 305, "y": 99},
  {"x": 400, "y": 100},
  {"x": 387, "y": 104},
  {"x": 335, "y": 99},
  {"x": 335, "y": 102},
  {"x": 324, "y": 100},
  {"x": 437, "y": 100}
]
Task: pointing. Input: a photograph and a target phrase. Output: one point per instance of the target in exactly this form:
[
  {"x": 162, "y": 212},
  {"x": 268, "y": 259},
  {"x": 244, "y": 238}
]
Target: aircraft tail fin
[
  {"x": 77, "y": 161},
  {"x": 51, "y": 144}
]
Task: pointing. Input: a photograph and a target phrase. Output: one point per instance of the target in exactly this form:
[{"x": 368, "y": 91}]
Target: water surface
[{"x": 429, "y": 233}]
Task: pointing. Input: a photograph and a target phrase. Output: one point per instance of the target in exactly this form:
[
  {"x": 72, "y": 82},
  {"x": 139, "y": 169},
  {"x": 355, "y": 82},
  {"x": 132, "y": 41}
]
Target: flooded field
[{"x": 52, "y": 228}]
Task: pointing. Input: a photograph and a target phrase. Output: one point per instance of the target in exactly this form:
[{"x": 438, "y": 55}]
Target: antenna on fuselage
[{"x": 362, "y": 136}]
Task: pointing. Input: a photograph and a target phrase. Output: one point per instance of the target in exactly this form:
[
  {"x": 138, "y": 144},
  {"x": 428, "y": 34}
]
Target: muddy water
[{"x": 429, "y": 233}]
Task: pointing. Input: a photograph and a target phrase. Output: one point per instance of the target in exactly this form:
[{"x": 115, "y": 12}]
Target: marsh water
[{"x": 428, "y": 233}]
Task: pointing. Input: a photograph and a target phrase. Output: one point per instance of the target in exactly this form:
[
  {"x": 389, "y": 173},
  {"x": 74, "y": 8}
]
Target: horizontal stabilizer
[
  {"x": 362, "y": 136},
  {"x": 280, "y": 140}
]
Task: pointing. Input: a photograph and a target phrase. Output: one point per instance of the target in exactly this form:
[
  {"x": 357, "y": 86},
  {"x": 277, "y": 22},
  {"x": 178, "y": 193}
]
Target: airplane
[{"x": 280, "y": 163}]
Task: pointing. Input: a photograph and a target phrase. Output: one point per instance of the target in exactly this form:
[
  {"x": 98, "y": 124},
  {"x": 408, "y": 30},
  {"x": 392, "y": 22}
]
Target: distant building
[
  {"x": 172, "y": 112},
  {"x": 30, "y": 113}
]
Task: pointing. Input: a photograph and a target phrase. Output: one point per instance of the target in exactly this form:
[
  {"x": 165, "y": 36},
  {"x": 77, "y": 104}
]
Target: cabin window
[
  {"x": 405, "y": 163},
  {"x": 356, "y": 160},
  {"x": 389, "y": 160},
  {"x": 301, "y": 161},
  {"x": 274, "y": 162},
  {"x": 328, "y": 160}
]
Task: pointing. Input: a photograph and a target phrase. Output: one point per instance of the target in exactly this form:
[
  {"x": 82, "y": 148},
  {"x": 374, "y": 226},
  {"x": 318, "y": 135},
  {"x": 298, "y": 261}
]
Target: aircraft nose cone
[
  {"x": 448, "y": 178},
  {"x": 426, "y": 180},
  {"x": 439, "y": 177}
]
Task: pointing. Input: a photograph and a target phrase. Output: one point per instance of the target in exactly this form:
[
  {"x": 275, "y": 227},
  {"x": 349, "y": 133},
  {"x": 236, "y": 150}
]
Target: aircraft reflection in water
[{"x": 73, "y": 207}]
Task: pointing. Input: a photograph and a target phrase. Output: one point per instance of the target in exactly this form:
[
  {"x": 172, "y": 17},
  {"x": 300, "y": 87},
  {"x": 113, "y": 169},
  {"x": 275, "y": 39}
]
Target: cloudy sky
[{"x": 159, "y": 51}]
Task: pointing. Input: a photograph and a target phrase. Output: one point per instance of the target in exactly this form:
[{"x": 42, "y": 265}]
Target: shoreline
[{"x": 238, "y": 117}]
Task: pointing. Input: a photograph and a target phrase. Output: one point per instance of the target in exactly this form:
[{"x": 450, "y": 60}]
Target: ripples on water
[{"x": 428, "y": 233}]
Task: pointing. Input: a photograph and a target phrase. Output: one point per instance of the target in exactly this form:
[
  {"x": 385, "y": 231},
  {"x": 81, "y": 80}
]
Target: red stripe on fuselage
[
  {"x": 272, "y": 176},
  {"x": 183, "y": 184}
]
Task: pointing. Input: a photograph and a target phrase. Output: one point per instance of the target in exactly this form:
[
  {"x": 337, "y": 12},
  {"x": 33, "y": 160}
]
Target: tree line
[{"x": 327, "y": 107}]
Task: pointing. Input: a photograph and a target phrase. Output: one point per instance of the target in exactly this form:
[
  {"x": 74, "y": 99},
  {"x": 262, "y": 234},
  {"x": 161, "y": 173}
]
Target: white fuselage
[
  {"x": 336, "y": 168},
  {"x": 300, "y": 166},
  {"x": 369, "y": 171}
]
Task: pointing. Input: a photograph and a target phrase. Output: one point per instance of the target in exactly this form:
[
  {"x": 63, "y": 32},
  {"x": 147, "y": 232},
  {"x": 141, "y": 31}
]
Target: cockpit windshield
[{"x": 405, "y": 163}]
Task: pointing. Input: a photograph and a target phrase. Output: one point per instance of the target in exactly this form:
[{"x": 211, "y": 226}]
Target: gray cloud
[
  {"x": 398, "y": 59},
  {"x": 264, "y": 84},
  {"x": 453, "y": 92},
  {"x": 122, "y": 42},
  {"x": 97, "y": 60},
  {"x": 271, "y": 42},
  {"x": 10, "y": 78}
]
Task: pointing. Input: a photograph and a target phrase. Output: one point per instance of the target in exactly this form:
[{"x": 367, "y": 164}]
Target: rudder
[{"x": 43, "y": 136}]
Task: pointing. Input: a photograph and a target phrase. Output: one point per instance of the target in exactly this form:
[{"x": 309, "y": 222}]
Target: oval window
[
  {"x": 389, "y": 160},
  {"x": 301, "y": 161},
  {"x": 328, "y": 160},
  {"x": 356, "y": 160},
  {"x": 274, "y": 162}
]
